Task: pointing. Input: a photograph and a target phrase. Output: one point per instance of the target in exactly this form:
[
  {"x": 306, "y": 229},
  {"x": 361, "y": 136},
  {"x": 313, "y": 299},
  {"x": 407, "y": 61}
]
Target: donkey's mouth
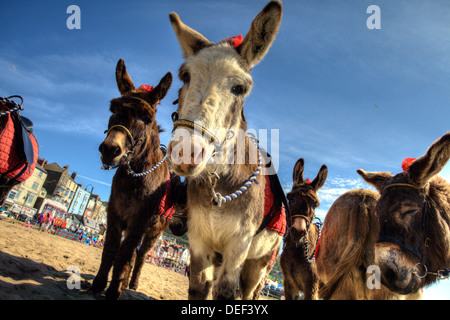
[
  {"x": 188, "y": 170},
  {"x": 110, "y": 162}
]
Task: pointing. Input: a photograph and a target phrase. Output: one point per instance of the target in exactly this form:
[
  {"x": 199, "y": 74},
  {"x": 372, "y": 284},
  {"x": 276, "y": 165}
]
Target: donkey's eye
[
  {"x": 409, "y": 212},
  {"x": 185, "y": 77},
  {"x": 237, "y": 90},
  {"x": 146, "y": 119}
]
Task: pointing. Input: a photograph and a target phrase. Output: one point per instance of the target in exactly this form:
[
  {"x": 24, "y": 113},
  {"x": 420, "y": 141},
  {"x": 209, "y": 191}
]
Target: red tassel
[{"x": 407, "y": 162}]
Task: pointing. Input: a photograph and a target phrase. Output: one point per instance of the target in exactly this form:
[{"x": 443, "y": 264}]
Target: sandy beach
[{"x": 34, "y": 264}]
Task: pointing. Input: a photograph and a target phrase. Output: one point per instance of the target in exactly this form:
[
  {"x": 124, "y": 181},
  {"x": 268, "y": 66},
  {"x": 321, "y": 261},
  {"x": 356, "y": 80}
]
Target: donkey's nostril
[{"x": 117, "y": 151}]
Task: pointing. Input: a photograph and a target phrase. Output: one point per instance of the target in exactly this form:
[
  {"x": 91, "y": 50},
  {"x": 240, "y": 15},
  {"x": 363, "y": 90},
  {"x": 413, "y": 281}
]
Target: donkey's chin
[
  {"x": 107, "y": 161},
  {"x": 189, "y": 170}
]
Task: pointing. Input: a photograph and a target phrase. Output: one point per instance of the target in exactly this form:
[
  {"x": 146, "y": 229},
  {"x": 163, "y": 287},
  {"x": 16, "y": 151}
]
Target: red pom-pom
[
  {"x": 146, "y": 87},
  {"x": 407, "y": 162},
  {"x": 234, "y": 41},
  {"x": 308, "y": 181}
]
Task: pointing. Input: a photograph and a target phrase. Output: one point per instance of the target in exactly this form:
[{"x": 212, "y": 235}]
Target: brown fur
[
  {"x": 298, "y": 273},
  {"x": 346, "y": 246},
  {"x": 132, "y": 209},
  {"x": 401, "y": 209},
  {"x": 223, "y": 237}
]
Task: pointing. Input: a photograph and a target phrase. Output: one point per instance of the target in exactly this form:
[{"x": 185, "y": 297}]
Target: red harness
[
  {"x": 166, "y": 208},
  {"x": 10, "y": 163}
]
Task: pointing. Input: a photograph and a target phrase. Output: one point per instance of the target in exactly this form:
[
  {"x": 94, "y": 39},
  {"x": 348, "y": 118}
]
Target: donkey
[
  {"x": 140, "y": 205},
  {"x": 345, "y": 254},
  {"x": 413, "y": 247},
  {"x": 297, "y": 259},
  {"x": 19, "y": 148},
  {"x": 223, "y": 230}
]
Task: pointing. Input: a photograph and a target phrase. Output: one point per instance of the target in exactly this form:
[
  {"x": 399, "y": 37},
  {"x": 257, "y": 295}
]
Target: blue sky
[{"x": 339, "y": 93}]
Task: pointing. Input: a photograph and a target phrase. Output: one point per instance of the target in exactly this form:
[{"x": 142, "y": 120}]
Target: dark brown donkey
[
  {"x": 297, "y": 259},
  {"x": 413, "y": 248},
  {"x": 139, "y": 207}
]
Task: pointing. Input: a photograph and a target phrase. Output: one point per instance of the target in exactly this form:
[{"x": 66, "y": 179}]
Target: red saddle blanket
[
  {"x": 11, "y": 163},
  {"x": 166, "y": 208},
  {"x": 274, "y": 214}
]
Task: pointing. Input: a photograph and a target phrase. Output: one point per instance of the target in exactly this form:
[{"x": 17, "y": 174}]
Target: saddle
[{"x": 19, "y": 148}]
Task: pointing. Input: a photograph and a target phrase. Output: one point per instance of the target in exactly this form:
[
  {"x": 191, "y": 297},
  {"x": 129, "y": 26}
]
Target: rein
[
  {"x": 311, "y": 259},
  {"x": 213, "y": 177}
]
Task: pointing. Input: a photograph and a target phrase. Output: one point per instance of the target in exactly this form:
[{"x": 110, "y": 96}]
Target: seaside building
[
  {"x": 80, "y": 200},
  {"x": 22, "y": 198},
  {"x": 60, "y": 186}
]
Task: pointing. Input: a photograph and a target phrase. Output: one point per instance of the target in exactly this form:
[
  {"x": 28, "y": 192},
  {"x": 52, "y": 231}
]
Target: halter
[
  {"x": 413, "y": 249},
  {"x": 131, "y": 151},
  {"x": 193, "y": 125},
  {"x": 305, "y": 244}
]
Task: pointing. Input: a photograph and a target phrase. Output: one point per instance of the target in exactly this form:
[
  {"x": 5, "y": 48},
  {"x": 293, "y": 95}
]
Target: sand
[{"x": 34, "y": 264}]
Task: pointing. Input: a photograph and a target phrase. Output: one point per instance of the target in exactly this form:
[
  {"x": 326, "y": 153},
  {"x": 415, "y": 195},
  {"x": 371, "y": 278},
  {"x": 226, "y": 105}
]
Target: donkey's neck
[
  {"x": 239, "y": 161},
  {"x": 149, "y": 153}
]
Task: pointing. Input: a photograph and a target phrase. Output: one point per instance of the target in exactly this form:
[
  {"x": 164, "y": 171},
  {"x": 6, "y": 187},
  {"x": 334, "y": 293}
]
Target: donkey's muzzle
[{"x": 111, "y": 153}]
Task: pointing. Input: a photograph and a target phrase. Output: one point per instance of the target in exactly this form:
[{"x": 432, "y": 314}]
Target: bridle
[
  {"x": 130, "y": 151},
  {"x": 305, "y": 244},
  {"x": 440, "y": 274},
  {"x": 216, "y": 198},
  {"x": 415, "y": 250}
]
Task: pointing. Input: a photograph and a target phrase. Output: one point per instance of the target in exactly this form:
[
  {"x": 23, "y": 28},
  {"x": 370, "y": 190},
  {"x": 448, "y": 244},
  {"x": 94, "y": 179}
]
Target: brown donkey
[
  {"x": 405, "y": 232},
  {"x": 223, "y": 230},
  {"x": 297, "y": 259},
  {"x": 413, "y": 248},
  {"x": 140, "y": 204},
  {"x": 345, "y": 256}
]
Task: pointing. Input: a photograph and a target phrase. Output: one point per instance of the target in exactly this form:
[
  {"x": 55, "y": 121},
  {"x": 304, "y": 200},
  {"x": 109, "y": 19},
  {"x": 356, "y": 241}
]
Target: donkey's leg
[
  {"x": 229, "y": 272},
  {"x": 122, "y": 262},
  {"x": 309, "y": 282},
  {"x": 252, "y": 274},
  {"x": 148, "y": 243},
  {"x": 110, "y": 247},
  {"x": 201, "y": 273}
]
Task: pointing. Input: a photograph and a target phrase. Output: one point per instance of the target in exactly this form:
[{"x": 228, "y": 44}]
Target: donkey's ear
[
  {"x": 262, "y": 33},
  {"x": 297, "y": 174},
  {"x": 377, "y": 179},
  {"x": 190, "y": 40},
  {"x": 159, "y": 92},
  {"x": 432, "y": 162},
  {"x": 319, "y": 181},
  {"x": 123, "y": 79}
]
